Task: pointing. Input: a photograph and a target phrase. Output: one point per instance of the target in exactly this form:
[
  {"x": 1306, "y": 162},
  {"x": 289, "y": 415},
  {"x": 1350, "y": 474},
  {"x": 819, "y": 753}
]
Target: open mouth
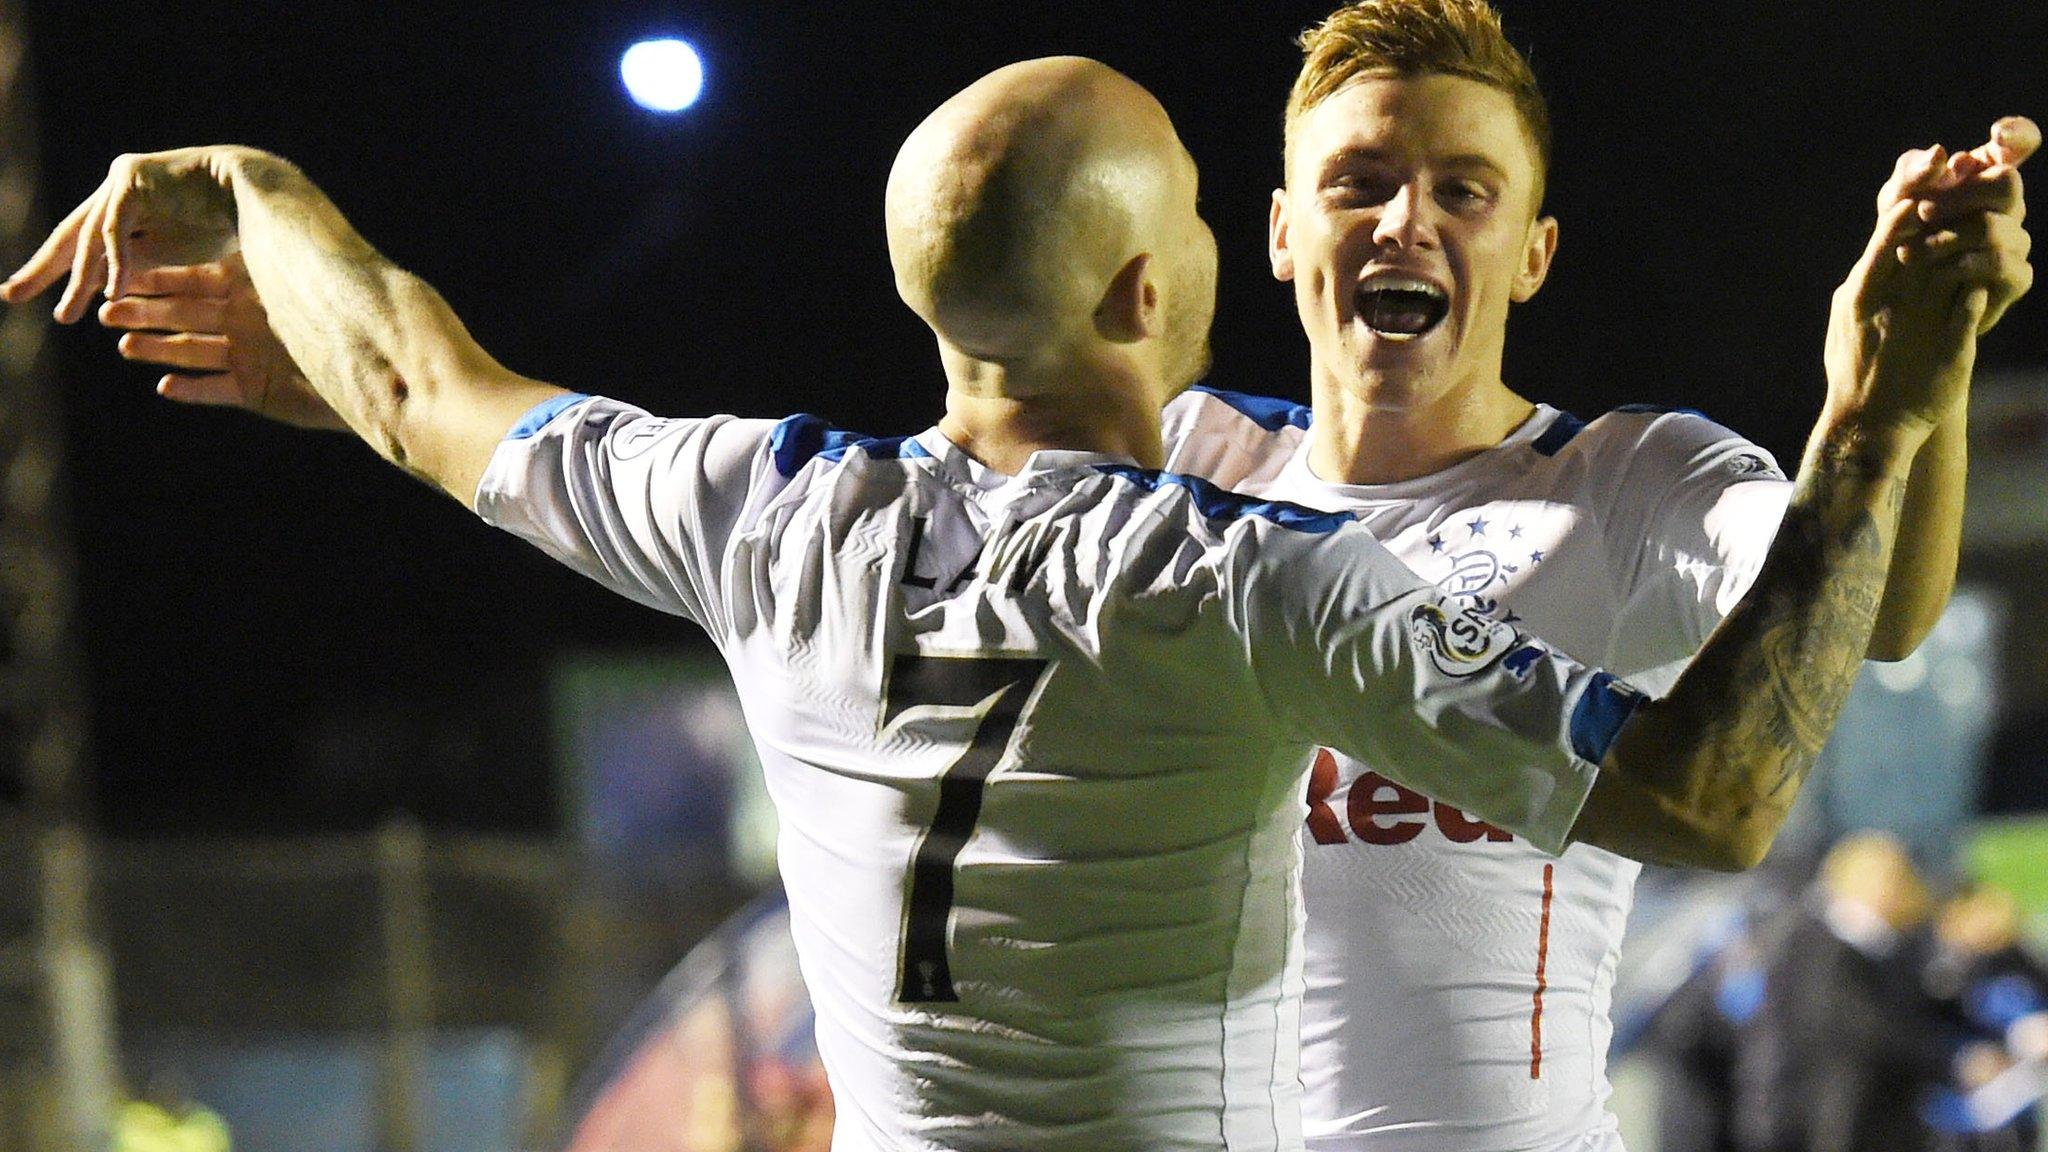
[{"x": 1401, "y": 307}]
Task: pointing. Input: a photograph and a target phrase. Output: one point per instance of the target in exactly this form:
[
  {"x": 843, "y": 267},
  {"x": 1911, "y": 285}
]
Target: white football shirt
[
  {"x": 1036, "y": 744},
  {"x": 1458, "y": 976}
]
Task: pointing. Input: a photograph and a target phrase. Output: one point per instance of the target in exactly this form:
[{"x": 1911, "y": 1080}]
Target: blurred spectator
[
  {"x": 1808, "y": 1030},
  {"x": 1990, "y": 989},
  {"x": 1692, "y": 1036},
  {"x": 1843, "y": 1042}
]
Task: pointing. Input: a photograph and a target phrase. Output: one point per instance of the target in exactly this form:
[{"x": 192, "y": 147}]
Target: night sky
[{"x": 282, "y": 633}]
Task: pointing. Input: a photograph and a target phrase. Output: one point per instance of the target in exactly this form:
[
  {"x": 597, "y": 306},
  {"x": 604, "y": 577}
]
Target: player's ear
[
  {"x": 1276, "y": 238},
  {"x": 1129, "y": 309},
  {"x": 1537, "y": 251}
]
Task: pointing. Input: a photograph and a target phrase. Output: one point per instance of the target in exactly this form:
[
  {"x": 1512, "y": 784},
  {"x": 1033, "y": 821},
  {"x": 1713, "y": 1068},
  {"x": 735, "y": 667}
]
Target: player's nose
[{"x": 1405, "y": 220}]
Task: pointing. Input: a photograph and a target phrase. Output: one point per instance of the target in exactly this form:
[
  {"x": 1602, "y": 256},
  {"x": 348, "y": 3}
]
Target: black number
[{"x": 999, "y": 687}]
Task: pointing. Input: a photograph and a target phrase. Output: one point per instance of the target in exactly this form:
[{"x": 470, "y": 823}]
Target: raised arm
[
  {"x": 1706, "y": 776},
  {"x": 378, "y": 346},
  {"x": 1975, "y": 196}
]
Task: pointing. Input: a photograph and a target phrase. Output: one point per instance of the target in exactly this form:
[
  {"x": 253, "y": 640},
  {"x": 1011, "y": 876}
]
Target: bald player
[{"x": 1034, "y": 713}]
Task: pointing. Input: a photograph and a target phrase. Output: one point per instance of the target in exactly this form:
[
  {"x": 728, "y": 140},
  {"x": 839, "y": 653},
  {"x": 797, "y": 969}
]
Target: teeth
[
  {"x": 1399, "y": 283},
  {"x": 1390, "y": 298}
]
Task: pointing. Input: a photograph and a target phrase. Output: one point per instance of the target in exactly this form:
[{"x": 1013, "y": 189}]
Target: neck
[
  {"x": 1072, "y": 407},
  {"x": 1358, "y": 438}
]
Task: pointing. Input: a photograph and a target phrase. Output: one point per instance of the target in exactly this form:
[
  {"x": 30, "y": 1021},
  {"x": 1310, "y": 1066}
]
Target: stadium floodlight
[{"x": 662, "y": 75}]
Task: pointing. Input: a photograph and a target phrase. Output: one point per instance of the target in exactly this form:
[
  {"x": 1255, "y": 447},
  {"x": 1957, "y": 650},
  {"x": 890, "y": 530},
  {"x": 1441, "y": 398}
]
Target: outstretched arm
[
  {"x": 377, "y": 345},
  {"x": 1707, "y": 775}
]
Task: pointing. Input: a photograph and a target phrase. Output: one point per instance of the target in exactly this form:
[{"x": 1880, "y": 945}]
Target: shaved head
[{"x": 1014, "y": 209}]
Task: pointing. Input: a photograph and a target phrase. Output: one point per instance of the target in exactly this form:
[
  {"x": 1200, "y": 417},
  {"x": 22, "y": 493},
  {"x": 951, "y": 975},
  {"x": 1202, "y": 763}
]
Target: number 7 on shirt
[{"x": 996, "y": 690}]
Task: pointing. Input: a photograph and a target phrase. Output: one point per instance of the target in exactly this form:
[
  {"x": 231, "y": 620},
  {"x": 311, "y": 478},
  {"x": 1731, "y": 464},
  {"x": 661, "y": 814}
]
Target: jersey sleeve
[
  {"x": 1353, "y": 652},
  {"x": 1693, "y": 510},
  {"x": 643, "y": 505}
]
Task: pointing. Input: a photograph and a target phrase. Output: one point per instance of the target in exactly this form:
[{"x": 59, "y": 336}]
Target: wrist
[
  {"x": 1879, "y": 446},
  {"x": 238, "y": 167}
]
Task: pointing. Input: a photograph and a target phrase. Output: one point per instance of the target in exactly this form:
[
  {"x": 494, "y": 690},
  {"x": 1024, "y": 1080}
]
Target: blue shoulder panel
[
  {"x": 879, "y": 448},
  {"x": 1268, "y": 412},
  {"x": 803, "y": 437},
  {"x": 1661, "y": 409},
  {"x": 1222, "y": 504},
  {"x": 537, "y": 417},
  {"x": 1559, "y": 434},
  {"x": 1602, "y": 710}
]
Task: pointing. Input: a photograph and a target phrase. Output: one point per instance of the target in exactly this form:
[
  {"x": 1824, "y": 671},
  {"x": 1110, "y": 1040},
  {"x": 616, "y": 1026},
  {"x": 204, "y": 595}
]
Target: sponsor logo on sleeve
[
  {"x": 1460, "y": 641},
  {"x": 1751, "y": 464},
  {"x": 640, "y": 435}
]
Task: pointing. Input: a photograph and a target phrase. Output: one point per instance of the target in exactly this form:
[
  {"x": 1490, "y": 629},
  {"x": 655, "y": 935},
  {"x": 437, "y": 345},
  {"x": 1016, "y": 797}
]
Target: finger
[
  {"x": 1926, "y": 250},
  {"x": 1913, "y": 173},
  {"x": 2005, "y": 275},
  {"x": 2000, "y": 236},
  {"x": 2017, "y": 281},
  {"x": 165, "y": 313},
  {"x": 211, "y": 280},
  {"x": 1973, "y": 231},
  {"x": 1964, "y": 271},
  {"x": 213, "y": 389},
  {"x": 1879, "y": 262},
  {"x": 1993, "y": 190},
  {"x": 201, "y": 352},
  {"x": 88, "y": 266},
  {"x": 49, "y": 262},
  {"x": 114, "y": 229},
  {"x": 2013, "y": 139}
]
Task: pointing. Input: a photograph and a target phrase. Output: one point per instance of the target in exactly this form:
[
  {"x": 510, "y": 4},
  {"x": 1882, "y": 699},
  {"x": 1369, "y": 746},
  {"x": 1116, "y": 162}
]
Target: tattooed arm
[
  {"x": 378, "y": 345},
  {"x": 1706, "y": 776}
]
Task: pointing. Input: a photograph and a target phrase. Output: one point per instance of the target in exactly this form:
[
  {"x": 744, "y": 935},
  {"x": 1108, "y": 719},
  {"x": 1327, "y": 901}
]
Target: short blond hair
[{"x": 1413, "y": 38}]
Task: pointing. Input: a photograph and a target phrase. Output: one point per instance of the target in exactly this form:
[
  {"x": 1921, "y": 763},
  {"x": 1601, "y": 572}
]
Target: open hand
[{"x": 206, "y": 323}]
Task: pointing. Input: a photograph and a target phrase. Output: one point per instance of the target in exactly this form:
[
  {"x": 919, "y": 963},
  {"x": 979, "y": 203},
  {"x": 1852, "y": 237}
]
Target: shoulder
[
  {"x": 1234, "y": 438},
  {"x": 616, "y": 431},
  {"x": 1202, "y": 405},
  {"x": 590, "y": 450},
  {"x": 1651, "y": 441},
  {"x": 798, "y": 440},
  {"x": 1201, "y": 501}
]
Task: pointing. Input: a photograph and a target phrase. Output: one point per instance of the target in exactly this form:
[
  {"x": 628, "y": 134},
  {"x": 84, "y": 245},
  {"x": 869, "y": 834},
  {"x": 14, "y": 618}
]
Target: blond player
[{"x": 1458, "y": 975}]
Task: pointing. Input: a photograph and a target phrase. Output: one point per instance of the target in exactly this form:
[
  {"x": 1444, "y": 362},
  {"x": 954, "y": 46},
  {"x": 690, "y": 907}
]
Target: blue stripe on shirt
[
  {"x": 1602, "y": 710},
  {"x": 1662, "y": 410},
  {"x": 803, "y": 437},
  {"x": 538, "y": 416},
  {"x": 1268, "y": 412},
  {"x": 1222, "y": 504},
  {"x": 1559, "y": 434}
]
